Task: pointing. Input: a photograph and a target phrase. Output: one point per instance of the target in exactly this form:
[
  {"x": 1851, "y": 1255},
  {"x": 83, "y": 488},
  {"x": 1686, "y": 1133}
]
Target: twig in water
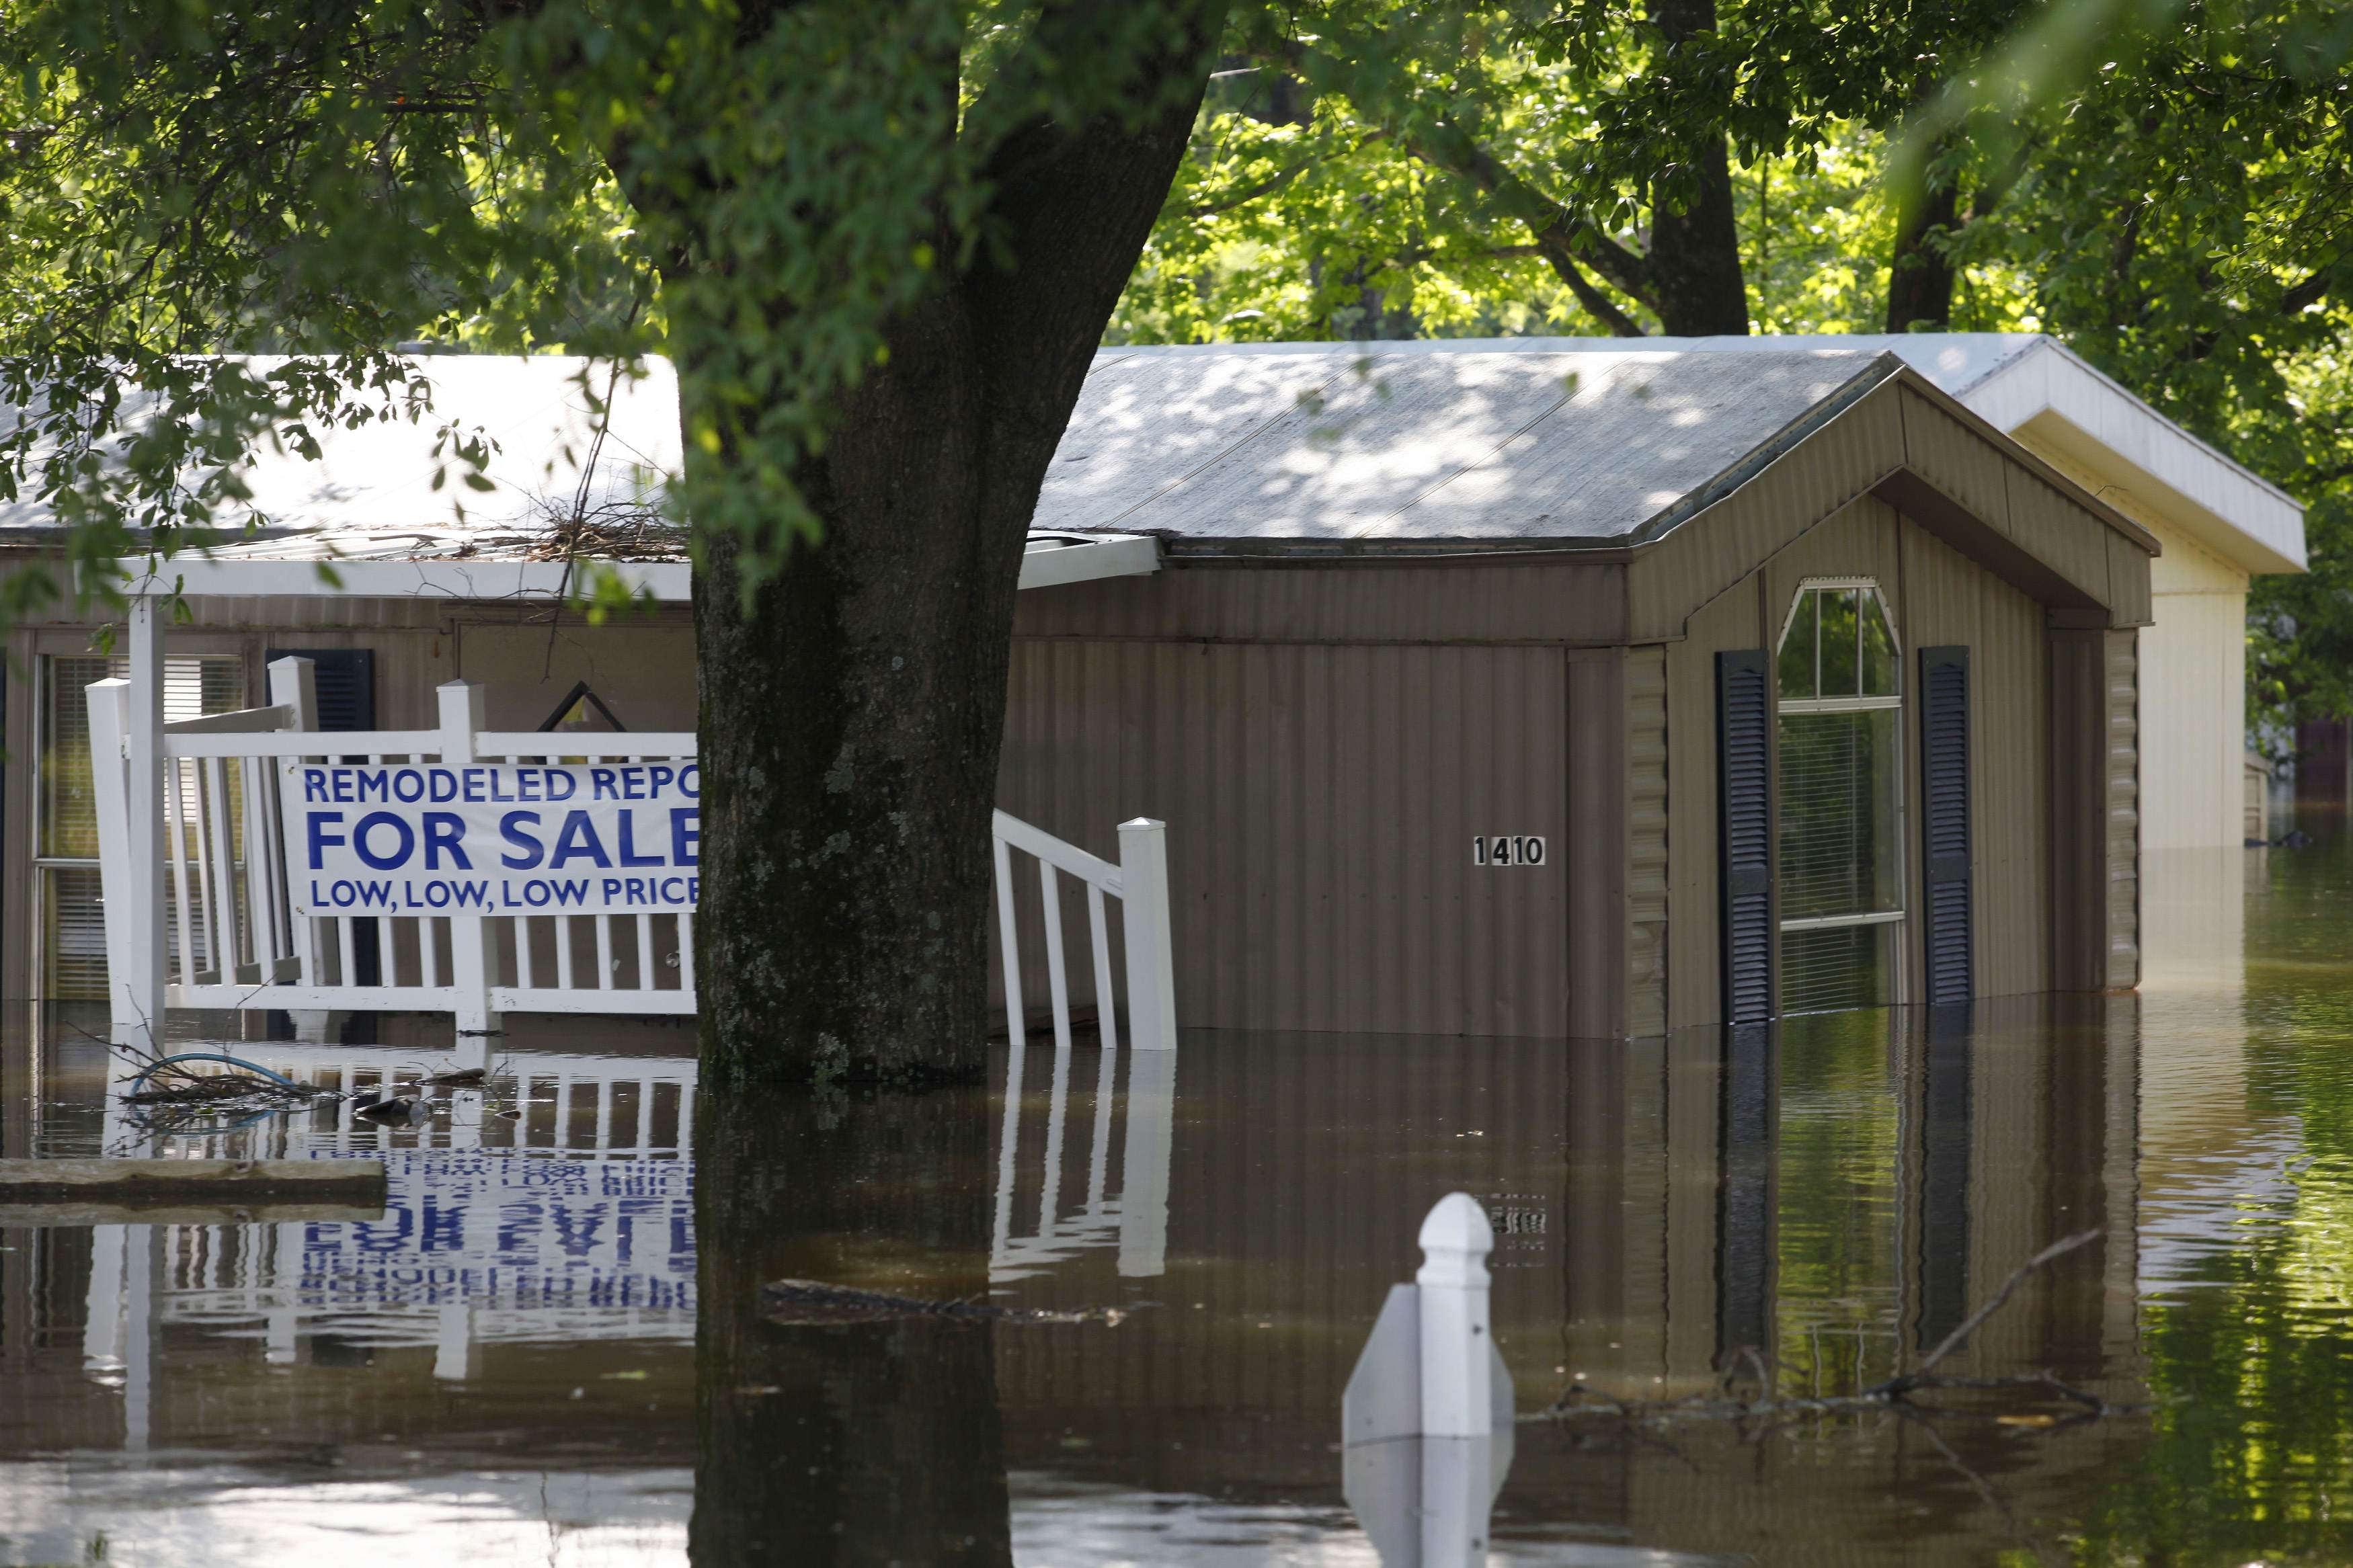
[
  {"x": 1953, "y": 1341},
  {"x": 1892, "y": 1394}
]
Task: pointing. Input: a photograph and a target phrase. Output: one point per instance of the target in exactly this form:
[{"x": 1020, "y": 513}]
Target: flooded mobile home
[{"x": 1494, "y": 689}]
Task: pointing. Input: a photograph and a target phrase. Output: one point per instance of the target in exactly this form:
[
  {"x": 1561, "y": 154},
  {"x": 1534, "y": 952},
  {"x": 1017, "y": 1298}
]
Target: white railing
[
  {"x": 200, "y": 913},
  {"x": 1140, "y": 882}
]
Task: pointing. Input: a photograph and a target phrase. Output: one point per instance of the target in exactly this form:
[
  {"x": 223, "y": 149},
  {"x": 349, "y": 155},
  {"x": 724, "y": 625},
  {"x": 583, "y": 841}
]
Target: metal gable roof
[
  {"x": 1418, "y": 441},
  {"x": 2036, "y": 388}
]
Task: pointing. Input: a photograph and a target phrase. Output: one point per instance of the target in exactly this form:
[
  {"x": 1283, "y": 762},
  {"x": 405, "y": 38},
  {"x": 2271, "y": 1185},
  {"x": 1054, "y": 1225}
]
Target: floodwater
[{"x": 549, "y": 1348}]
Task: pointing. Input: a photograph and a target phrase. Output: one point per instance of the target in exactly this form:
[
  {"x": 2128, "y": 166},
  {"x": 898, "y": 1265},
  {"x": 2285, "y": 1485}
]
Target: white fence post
[
  {"x": 294, "y": 685},
  {"x": 140, "y": 991},
  {"x": 1455, "y": 1241},
  {"x": 109, "y": 721},
  {"x": 1151, "y": 962},
  {"x": 1426, "y": 1422},
  {"x": 469, "y": 936}
]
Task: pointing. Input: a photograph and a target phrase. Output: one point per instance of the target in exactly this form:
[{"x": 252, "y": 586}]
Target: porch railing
[{"x": 200, "y": 914}]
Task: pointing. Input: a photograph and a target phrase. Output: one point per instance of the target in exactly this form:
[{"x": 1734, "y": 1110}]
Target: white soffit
[{"x": 2048, "y": 396}]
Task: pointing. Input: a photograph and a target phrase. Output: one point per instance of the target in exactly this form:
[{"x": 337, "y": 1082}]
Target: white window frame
[{"x": 1806, "y": 588}]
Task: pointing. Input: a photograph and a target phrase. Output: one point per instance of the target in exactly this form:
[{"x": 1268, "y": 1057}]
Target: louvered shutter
[
  {"x": 1945, "y": 796},
  {"x": 1744, "y": 804},
  {"x": 346, "y": 684},
  {"x": 344, "y": 681}
]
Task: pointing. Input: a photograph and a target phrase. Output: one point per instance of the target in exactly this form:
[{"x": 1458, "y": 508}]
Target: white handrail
[
  {"x": 1140, "y": 882},
  {"x": 243, "y": 721},
  {"x": 1090, "y": 869}
]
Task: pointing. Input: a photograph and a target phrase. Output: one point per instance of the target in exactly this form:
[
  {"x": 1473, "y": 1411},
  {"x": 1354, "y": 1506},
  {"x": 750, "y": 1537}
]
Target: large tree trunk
[
  {"x": 875, "y": 1443},
  {"x": 1920, "y": 274},
  {"x": 850, "y": 718},
  {"x": 1695, "y": 253}
]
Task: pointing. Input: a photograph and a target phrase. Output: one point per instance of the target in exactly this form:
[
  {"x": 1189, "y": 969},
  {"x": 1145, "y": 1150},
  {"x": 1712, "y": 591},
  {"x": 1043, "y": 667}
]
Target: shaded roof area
[{"x": 1476, "y": 441}]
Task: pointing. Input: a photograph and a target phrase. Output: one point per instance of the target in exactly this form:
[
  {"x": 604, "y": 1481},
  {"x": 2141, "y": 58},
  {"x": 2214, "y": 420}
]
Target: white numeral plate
[{"x": 1507, "y": 849}]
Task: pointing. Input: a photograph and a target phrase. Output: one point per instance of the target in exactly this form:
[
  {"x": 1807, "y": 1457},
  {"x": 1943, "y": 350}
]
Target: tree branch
[
  {"x": 1265, "y": 187},
  {"x": 2308, "y": 293},
  {"x": 1564, "y": 235}
]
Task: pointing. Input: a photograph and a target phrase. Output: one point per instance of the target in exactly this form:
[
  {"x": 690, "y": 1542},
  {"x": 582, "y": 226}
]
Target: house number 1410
[{"x": 1507, "y": 849}]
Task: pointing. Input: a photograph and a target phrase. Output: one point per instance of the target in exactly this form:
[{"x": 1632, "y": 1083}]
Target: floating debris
[{"x": 809, "y": 1302}]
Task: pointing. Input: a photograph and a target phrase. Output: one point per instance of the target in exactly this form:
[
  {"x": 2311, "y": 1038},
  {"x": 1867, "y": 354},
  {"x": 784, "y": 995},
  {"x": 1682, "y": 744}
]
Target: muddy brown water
[{"x": 548, "y": 1349}]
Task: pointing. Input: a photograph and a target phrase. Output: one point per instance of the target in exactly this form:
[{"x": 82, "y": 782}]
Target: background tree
[{"x": 1594, "y": 142}]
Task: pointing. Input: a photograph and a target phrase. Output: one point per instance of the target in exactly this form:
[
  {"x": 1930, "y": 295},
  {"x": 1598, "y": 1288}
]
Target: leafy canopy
[{"x": 754, "y": 189}]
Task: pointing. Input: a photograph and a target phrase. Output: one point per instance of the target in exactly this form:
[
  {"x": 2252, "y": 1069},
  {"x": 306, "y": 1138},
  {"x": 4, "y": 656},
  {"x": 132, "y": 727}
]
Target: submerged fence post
[
  {"x": 1151, "y": 955},
  {"x": 469, "y": 936},
  {"x": 140, "y": 990}
]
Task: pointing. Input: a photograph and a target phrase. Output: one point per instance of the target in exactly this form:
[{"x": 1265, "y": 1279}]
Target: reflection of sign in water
[{"x": 512, "y": 1231}]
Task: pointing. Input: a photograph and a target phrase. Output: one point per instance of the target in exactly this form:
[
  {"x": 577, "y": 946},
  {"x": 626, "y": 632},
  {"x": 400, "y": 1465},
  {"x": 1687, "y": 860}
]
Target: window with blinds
[
  {"x": 70, "y": 962},
  {"x": 1838, "y": 833}
]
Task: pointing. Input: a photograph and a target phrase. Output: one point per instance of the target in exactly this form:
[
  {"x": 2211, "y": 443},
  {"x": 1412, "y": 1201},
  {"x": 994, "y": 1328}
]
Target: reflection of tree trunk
[{"x": 868, "y": 1444}]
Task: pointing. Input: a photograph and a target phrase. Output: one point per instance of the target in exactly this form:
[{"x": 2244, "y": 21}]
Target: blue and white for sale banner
[{"x": 502, "y": 838}]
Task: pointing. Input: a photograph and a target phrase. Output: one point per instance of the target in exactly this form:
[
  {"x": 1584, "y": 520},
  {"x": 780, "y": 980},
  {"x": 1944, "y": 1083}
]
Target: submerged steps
[{"x": 68, "y": 1192}]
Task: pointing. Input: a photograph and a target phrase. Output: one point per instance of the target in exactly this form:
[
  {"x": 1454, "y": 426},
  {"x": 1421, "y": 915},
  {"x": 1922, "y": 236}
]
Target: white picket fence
[{"x": 199, "y": 912}]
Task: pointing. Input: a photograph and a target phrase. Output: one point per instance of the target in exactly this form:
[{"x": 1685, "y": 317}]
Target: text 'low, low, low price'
[{"x": 492, "y": 839}]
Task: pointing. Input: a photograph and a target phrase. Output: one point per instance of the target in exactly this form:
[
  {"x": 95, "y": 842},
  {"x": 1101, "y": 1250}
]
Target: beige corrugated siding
[
  {"x": 2052, "y": 527},
  {"x": 1693, "y": 849},
  {"x": 1738, "y": 534},
  {"x": 1948, "y": 599},
  {"x": 1321, "y": 804},
  {"x": 1647, "y": 910},
  {"x": 1598, "y": 856},
  {"x": 644, "y": 673},
  {"x": 1956, "y": 460},
  {"x": 1545, "y": 597},
  {"x": 2123, "y": 818}
]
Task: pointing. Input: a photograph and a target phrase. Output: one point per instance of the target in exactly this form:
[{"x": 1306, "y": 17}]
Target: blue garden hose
[{"x": 155, "y": 1067}]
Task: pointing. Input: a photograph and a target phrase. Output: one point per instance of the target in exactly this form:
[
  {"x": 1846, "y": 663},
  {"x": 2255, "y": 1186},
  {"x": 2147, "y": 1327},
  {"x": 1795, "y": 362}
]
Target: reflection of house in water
[
  {"x": 1836, "y": 1204},
  {"x": 1901, "y": 1176}
]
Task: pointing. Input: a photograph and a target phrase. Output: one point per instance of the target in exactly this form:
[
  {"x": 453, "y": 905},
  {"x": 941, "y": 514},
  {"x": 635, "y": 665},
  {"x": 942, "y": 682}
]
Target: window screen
[{"x": 1837, "y": 831}]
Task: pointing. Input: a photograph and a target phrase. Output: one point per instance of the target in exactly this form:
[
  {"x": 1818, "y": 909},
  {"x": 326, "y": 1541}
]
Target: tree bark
[
  {"x": 872, "y": 1443},
  {"x": 851, "y": 716},
  {"x": 1694, "y": 254}
]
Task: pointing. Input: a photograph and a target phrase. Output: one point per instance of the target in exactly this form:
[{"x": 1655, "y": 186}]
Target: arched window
[{"x": 1841, "y": 855}]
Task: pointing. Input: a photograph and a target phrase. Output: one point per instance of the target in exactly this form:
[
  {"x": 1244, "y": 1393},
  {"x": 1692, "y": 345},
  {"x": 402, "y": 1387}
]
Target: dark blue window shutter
[
  {"x": 1945, "y": 836},
  {"x": 345, "y": 681},
  {"x": 346, "y": 684},
  {"x": 1745, "y": 803}
]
